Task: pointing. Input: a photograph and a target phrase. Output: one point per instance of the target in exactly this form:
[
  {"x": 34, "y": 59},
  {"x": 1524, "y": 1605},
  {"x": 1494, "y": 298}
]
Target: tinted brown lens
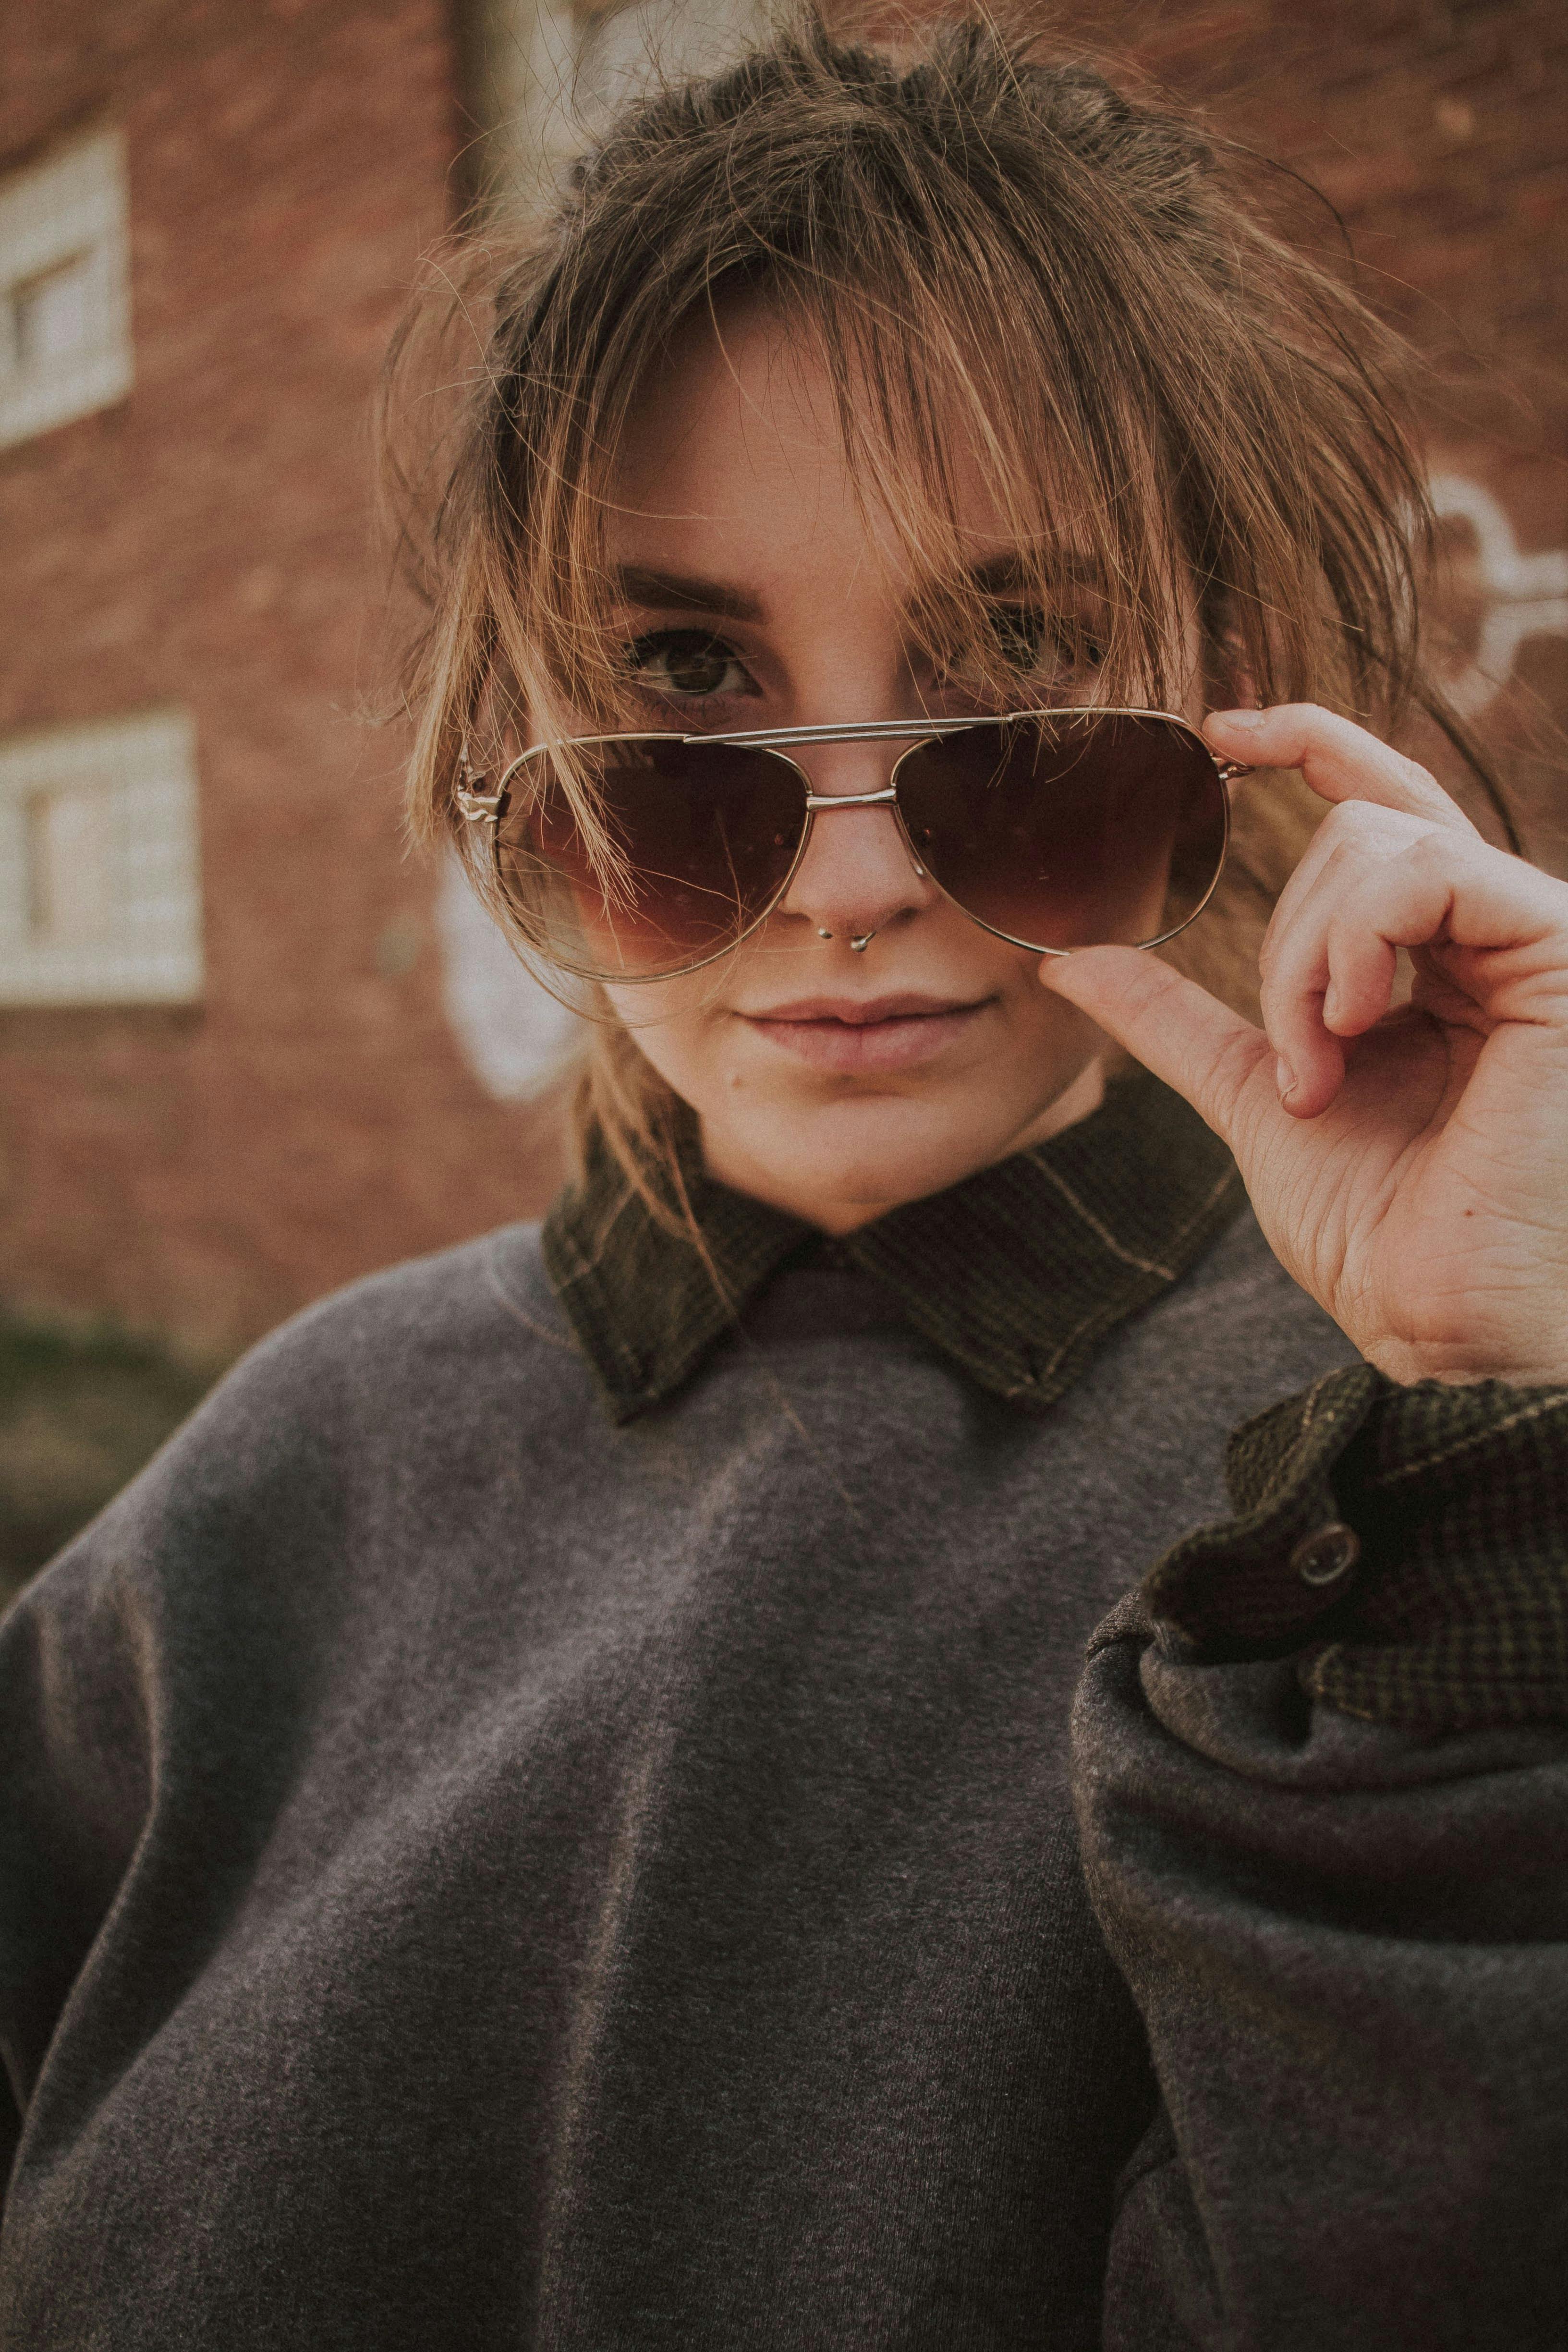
[
  {"x": 703, "y": 834},
  {"x": 1069, "y": 833}
]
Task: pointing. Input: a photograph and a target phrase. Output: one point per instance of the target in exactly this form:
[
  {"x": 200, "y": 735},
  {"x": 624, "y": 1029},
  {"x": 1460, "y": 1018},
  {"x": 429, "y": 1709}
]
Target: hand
[{"x": 1409, "y": 1167}]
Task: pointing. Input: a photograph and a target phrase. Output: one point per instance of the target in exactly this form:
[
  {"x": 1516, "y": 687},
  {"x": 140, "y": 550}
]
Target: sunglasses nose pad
[{"x": 900, "y": 818}]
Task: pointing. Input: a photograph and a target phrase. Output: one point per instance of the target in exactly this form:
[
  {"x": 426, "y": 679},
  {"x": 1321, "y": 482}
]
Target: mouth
[{"x": 868, "y": 1034}]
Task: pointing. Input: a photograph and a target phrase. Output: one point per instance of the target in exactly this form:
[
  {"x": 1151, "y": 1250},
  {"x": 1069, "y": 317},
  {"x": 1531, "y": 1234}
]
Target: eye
[
  {"x": 1038, "y": 643},
  {"x": 687, "y": 662},
  {"x": 1050, "y": 653},
  {"x": 1020, "y": 633}
]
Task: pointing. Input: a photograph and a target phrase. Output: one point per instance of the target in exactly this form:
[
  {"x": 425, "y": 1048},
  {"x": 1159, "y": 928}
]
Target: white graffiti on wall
[
  {"x": 515, "y": 1037},
  {"x": 1522, "y": 595}
]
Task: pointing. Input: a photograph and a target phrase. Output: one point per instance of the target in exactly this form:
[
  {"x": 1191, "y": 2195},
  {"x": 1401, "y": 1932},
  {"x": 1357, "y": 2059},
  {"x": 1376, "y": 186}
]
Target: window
[
  {"x": 546, "y": 71},
  {"x": 99, "y": 878},
  {"x": 69, "y": 899},
  {"x": 65, "y": 327}
]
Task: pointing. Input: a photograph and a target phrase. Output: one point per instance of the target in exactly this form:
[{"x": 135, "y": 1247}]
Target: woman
[{"x": 568, "y": 1807}]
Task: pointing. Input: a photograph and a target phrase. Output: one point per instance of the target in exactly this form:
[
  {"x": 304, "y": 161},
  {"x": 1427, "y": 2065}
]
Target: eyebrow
[
  {"x": 682, "y": 592},
  {"x": 1013, "y": 573}
]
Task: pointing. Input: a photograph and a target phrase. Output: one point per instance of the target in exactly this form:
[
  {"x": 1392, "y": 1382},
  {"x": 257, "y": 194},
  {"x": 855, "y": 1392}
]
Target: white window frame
[
  {"x": 143, "y": 769},
  {"x": 548, "y": 72},
  {"x": 71, "y": 208}
]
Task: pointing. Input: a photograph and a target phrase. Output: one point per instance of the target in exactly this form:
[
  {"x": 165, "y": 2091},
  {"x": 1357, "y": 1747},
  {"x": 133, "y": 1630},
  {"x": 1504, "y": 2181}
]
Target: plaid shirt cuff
[{"x": 1410, "y": 1543}]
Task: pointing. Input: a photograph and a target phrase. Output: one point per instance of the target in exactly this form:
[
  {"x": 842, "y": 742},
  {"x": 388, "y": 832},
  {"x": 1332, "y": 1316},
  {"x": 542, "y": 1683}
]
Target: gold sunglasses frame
[{"x": 490, "y": 808}]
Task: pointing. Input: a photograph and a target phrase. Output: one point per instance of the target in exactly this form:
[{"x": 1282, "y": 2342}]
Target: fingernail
[
  {"x": 1248, "y": 720},
  {"x": 1285, "y": 1078}
]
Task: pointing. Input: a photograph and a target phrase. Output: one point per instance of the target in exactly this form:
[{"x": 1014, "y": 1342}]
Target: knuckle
[
  {"x": 1348, "y": 851},
  {"x": 1362, "y": 820},
  {"x": 1354, "y": 821},
  {"x": 1430, "y": 851},
  {"x": 1366, "y": 830}
]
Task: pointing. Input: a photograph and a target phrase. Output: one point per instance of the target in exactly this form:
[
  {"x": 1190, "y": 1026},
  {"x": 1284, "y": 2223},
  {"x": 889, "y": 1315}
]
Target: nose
[{"x": 858, "y": 873}]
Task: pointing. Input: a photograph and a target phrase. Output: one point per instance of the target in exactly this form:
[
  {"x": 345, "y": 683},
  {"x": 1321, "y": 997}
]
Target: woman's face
[{"x": 756, "y": 593}]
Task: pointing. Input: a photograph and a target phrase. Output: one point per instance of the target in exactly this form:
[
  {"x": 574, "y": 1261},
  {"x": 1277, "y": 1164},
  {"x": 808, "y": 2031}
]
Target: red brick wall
[
  {"x": 1439, "y": 133},
  {"x": 208, "y": 543}
]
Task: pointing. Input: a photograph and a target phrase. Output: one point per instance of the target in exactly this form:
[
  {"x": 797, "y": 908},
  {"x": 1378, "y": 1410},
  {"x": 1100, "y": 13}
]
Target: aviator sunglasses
[{"x": 1052, "y": 829}]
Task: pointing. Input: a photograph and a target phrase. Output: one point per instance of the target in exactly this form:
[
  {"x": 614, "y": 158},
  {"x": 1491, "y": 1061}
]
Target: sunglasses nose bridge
[
  {"x": 828, "y": 803},
  {"x": 820, "y": 803},
  {"x": 869, "y": 771},
  {"x": 849, "y": 875}
]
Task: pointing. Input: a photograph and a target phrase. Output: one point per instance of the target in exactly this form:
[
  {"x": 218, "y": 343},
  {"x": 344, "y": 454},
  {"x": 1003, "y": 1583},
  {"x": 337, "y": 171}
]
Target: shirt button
[{"x": 1327, "y": 1554}]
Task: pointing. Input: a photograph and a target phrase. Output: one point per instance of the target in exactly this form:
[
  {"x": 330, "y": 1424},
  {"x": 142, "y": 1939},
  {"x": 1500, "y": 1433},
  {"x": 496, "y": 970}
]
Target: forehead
[{"x": 735, "y": 442}]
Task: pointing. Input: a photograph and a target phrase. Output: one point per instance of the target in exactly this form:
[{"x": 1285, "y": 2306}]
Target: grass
[{"x": 78, "y": 1416}]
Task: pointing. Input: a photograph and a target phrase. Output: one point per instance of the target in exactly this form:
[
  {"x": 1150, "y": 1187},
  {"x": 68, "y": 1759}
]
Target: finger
[
  {"x": 1372, "y": 831},
  {"x": 1172, "y": 1026},
  {"x": 1328, "y": 973},
  {"x": 1309, "y": 1062},
  {"x": 1363, "y": 967},
  {"x": 1340, "y": 760}
]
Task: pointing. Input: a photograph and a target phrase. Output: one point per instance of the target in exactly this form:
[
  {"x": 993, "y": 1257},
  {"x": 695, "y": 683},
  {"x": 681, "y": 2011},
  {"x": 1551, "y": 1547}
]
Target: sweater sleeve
[
  {"x": 159, "y": 1670},
  {"x": 1322, "y": 1772},
  {"x": 75, "y": 1790}
]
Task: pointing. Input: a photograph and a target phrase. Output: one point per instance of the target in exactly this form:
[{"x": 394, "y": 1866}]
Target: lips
[{"x": 865, "y": 1034}]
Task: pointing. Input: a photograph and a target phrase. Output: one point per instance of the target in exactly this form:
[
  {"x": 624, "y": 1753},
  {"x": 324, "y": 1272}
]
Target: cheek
[
  {"x": 1045, "y": 1044},
  {"x": 679, "y": 1028}
]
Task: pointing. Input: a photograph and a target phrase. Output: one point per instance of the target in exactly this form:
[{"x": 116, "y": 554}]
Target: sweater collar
[{"x": 1016, "y": 1274}]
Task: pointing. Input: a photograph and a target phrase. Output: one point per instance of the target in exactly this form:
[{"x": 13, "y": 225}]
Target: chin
[{"x": 860, "y": 1155}]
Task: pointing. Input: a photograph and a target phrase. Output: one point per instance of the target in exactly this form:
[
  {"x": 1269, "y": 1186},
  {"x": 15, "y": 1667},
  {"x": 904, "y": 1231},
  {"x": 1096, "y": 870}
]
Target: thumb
[{"x": 1175, "y": 1028}]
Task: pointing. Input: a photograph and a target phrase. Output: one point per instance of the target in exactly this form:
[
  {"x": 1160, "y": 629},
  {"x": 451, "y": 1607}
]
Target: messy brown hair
[{"x": 976, "y": 233}]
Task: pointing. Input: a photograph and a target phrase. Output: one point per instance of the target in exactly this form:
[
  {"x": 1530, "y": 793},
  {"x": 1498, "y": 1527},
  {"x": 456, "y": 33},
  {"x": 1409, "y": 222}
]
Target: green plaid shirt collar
[{"x": 1016, "y": 1274}]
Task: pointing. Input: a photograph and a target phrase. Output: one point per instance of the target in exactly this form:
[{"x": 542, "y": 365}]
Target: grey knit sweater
[{"x": 473, "y": 1876}]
